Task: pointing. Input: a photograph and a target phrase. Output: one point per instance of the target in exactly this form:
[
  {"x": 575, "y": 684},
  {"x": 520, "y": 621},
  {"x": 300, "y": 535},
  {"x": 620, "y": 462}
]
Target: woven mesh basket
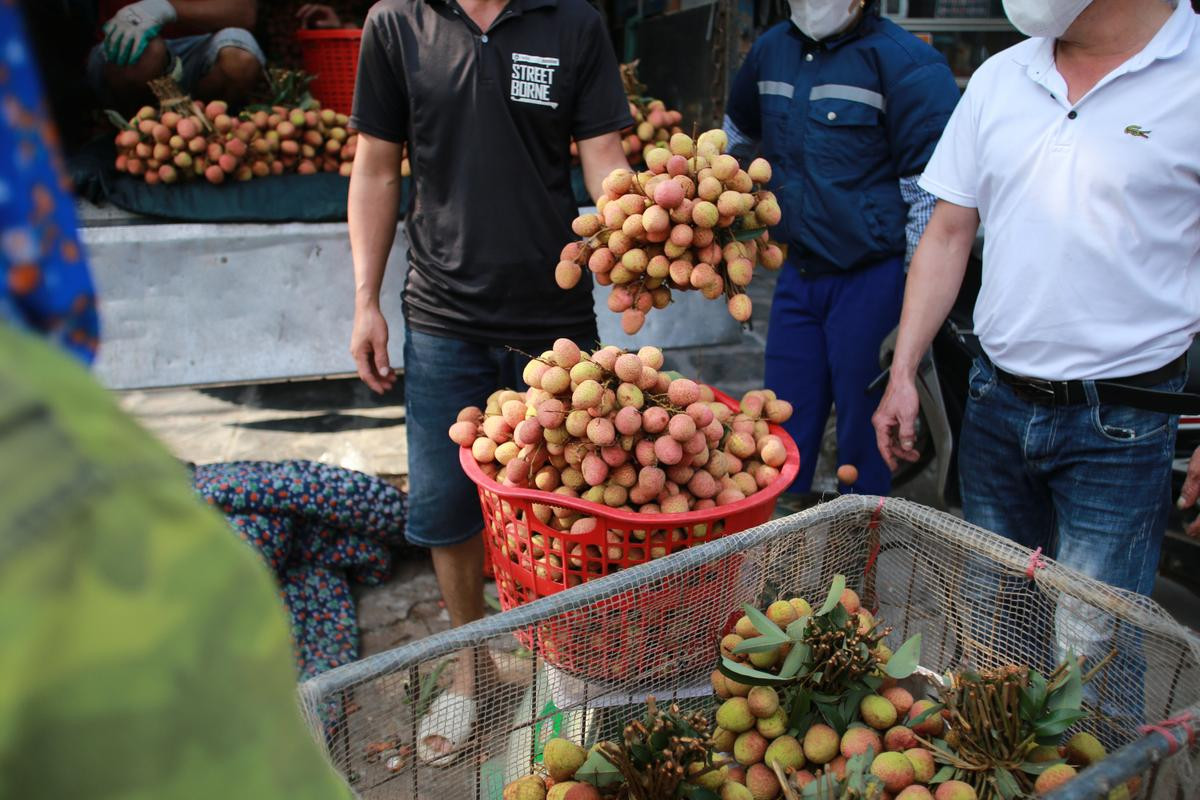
[{"x": 968, "y": 592}]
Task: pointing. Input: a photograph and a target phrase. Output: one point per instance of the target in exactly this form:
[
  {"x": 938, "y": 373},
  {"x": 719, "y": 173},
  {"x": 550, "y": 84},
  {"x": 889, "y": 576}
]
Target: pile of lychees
[
  {"x": 206, "y": 141},
  {"x": 612, "y": 428},
  {"x": 693, "y": 219}
]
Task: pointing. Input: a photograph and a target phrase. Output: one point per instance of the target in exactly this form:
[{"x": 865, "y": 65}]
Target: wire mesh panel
[{"x": 977, "y": 600}]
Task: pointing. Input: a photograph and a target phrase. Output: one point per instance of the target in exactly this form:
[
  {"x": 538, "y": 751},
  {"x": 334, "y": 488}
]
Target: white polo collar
[{"x": 1171, "y": 39}]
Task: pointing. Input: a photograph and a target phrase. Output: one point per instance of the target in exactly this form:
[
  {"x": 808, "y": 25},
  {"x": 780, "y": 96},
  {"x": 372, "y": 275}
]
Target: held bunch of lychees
[
  {"x": 692, "y": 220},
  {"x": 612, "y": 428},
  {"x": 208, "y": 142}
]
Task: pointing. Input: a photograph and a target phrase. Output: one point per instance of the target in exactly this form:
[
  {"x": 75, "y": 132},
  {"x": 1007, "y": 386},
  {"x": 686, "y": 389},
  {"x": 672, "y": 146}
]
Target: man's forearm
[
  {"x": 208, "y": 16},
  {"x": 599, "y": 157},
  {"x": 934, "y": 278},
  {"x": 372, "y": 207}
]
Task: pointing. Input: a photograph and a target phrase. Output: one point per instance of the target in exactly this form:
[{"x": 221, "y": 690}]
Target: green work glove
[{"x": 131, "y": 29}]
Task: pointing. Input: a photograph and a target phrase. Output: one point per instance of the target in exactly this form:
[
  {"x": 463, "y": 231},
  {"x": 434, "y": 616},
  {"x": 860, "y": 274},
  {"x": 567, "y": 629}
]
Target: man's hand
[
  {"x": 895, "y": 421},
  {"x": 1191, "y": 490},
  {"x": 368, "y": 345},
  {"x": 131, "y": 29}
]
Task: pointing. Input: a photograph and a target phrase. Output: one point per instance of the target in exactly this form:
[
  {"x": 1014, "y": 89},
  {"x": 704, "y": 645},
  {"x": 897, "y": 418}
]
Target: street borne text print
[{"x": 532, "y": 79}]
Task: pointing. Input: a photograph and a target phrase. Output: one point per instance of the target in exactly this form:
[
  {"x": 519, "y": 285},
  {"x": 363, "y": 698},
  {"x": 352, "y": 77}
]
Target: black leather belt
[{"x": 1133, "y": 391}]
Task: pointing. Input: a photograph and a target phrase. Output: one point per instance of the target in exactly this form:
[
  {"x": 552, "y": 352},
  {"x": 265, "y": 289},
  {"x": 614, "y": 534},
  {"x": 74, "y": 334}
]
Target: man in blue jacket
[{"x": 847, "y": 107}]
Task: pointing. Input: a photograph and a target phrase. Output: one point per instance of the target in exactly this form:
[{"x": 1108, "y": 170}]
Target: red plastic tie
[
  {"x": 1165, "y": 728},
  {"x": 1036, "y": 562},
  {"x": 872, "y": 525}
]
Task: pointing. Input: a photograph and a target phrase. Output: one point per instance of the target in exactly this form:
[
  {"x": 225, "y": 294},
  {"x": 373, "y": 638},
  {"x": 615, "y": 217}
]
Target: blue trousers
[{"x": 822, "y": 350}]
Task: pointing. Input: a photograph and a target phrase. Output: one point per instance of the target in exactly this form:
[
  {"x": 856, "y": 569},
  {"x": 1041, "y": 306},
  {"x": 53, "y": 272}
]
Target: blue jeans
[
  {"x": 823, "y": 348},
  {"x": 1091, "y": 485},
  {"x": 441, "y": 377}
]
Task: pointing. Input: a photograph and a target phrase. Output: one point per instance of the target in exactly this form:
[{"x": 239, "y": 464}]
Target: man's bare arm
[
  {"x": 934, "y": 279},
  {"x": 599, "y": 156},
  {"x": 372, "y": 210}
]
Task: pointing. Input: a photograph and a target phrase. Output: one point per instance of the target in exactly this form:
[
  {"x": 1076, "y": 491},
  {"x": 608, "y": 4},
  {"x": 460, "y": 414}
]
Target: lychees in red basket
[{"x": 612, "y": 428}]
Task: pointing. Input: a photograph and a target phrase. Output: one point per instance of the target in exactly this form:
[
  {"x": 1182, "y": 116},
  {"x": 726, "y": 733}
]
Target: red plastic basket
[
  {"x": 331, "y": 56},
  {"x": 531, "y": 559}
]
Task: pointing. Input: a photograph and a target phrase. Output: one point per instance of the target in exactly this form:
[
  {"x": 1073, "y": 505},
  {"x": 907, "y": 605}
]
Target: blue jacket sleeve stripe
[{"x": 776, "y": 87}]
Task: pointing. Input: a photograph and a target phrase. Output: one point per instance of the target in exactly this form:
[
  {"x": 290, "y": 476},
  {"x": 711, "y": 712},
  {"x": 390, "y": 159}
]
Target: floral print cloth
[{"x": 318, "y": 527}]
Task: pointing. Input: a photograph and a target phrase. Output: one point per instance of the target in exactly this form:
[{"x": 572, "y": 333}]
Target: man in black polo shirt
[{"x": 487, "y": 94}]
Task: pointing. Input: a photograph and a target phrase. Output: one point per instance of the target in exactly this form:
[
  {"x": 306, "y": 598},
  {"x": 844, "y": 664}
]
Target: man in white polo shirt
[{"x": 1078, "y": 151}]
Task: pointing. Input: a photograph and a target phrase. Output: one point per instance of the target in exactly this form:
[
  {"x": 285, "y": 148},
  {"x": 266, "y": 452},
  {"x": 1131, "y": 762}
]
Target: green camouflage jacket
[{"x": 144, "y": 651}]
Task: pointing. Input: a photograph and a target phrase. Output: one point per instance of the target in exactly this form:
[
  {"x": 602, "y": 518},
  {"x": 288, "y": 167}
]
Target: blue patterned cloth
[
  {"x": 920, "y": 209},
  {"x": 45, "y": 285},
  {"x": 318, "y": 528}
]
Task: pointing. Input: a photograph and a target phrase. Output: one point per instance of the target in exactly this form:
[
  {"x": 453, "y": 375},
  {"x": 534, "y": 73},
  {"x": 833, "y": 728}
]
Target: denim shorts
[
  {"x": 441, "y": 377},
  {"x": 197, "y": 53}
]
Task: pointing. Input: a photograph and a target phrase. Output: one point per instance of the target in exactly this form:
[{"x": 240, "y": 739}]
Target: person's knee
[
  {"x": 238, "y": 68},
  {"x": 150, "y": 65}
]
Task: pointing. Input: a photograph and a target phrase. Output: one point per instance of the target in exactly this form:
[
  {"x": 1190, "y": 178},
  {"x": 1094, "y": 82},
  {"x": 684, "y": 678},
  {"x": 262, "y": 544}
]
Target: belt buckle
[{"x": 1039, "y": 390}]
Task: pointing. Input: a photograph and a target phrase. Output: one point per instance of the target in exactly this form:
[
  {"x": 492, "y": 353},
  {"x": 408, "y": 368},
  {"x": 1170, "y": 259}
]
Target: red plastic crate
[
  {"x": 521, "y": 549},
  {"x": 331, "y": 56}
]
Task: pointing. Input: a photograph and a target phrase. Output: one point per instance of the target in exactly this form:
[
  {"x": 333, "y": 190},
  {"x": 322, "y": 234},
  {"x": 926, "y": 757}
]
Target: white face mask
[
  {"x": 1048, "y": 18},
  {"x": 818, "y": 19}
]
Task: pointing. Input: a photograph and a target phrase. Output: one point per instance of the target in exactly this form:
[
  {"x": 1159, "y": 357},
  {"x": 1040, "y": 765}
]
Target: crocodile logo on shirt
[
  {"x": 532, "y": 79},
  {"x": 1136, "y": 131}
]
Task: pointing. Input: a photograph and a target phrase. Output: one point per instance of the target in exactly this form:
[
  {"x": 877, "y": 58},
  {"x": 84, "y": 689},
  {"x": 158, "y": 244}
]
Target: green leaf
[
  {"x": 641, "y": 754},
  {"x": 799, "y": 707},
  {"x": 850, "y": 702},
  {"x": 746, "y": 234},
  {"x": 119, "y": 122},
  {"x": 1031, "y": 703},
  {"x": 1056, "y": 722},
  {"x": 832, "y": 713},
  {"x": 797, "y": 628},
  {"x": 836, "y": 618},
  {"x": 1038, "y": 767},
  {"x": 694, "y": 792},
  {"x": 826, "y": 787},
  {"x": 598, "y": 771},
  {"x": 659, "y": 740},
  {"x": 1006, "y": 784},
  {"x": 936, "y": 708},
  {"x": 835, "y": 595},
  {"x": 759, "y": 644},
  {"x": 873, "y": 682},
  {"x": 428, "y": 684},
  {"x": 1069, "y": 693},
  {"x": 763, "y": 624},
  {"x": 797, "y": 658},
  {"x": 748, "y": 675},
  {"x": 904, "y": 661},
  {"x": 942, "y": 775}
]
